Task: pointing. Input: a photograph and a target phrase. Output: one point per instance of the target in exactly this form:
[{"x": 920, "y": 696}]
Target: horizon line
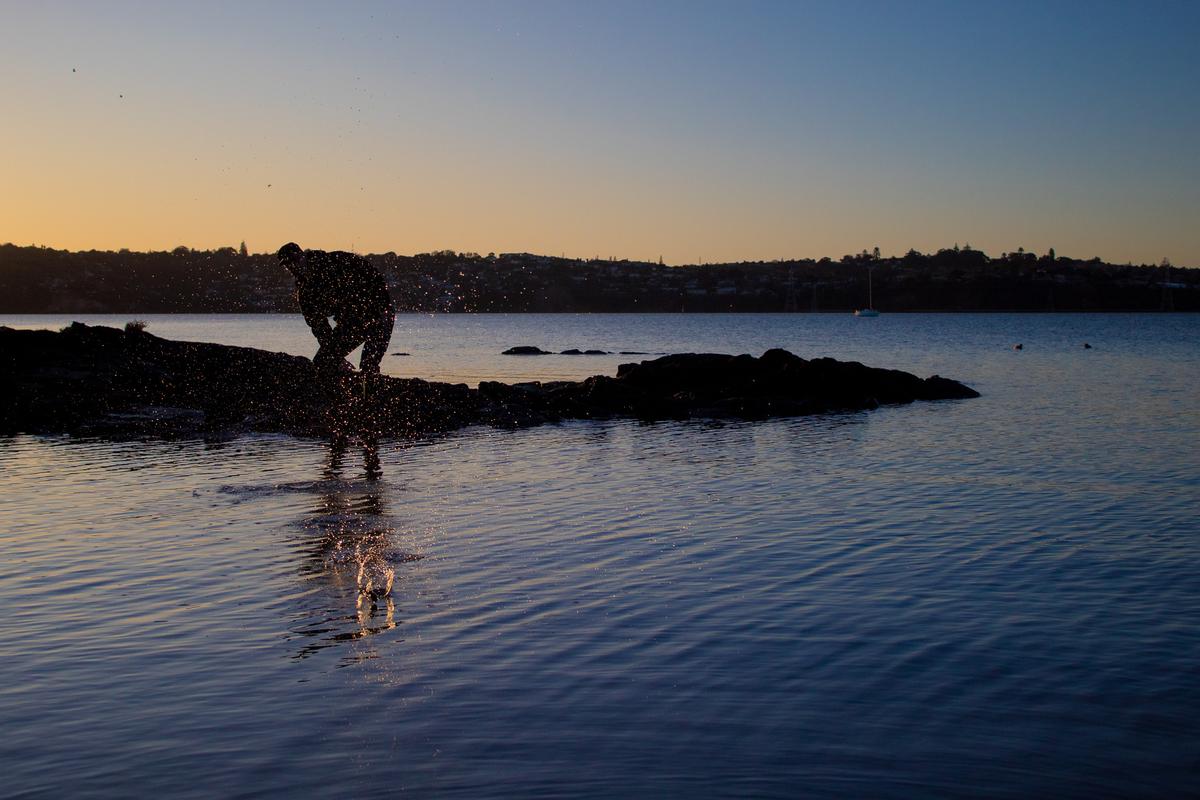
[{"x": 563, "y": 257}]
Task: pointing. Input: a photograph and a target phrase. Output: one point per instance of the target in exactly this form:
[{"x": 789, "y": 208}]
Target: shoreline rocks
[
  {"x": 106, "y": 381},
  {"x": 526, "y": 350}
]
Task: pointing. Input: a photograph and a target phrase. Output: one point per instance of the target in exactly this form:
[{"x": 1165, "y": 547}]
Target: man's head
[{"x": 290, "y": 256}]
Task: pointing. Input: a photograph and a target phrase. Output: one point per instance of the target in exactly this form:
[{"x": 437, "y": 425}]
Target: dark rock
[
  {"x": 936, "y": 387},
  {"x": 572, "y": 352},
  {"x": 402, "y": 354},
  {"x": 526, "y": 350},
  {"x": 113, "y": 382}
]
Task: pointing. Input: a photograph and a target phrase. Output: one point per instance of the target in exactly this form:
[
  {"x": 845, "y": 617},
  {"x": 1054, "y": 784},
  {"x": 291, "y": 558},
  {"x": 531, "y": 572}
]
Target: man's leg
[
  {"x": 333, "y": 351},
  {"x": 379, "y": 333}
]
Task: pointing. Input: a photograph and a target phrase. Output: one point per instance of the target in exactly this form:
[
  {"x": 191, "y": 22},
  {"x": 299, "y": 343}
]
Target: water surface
[{"x": 995, "y": 597}]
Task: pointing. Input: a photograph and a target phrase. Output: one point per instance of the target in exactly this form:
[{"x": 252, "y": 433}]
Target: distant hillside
[{"x": 42, "y": 280}]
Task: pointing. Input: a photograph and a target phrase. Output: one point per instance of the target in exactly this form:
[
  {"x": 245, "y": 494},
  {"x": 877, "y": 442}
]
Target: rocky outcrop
[
  {"x": 526, "y": 350},
  {"x": 104, "y": 380}
]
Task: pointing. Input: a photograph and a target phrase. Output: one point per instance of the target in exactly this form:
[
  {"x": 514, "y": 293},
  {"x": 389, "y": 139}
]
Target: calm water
[{"x": 997, "y": 597}]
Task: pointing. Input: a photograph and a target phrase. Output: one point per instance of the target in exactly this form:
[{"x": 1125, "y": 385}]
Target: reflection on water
[
  {"x": 348, "y": 554},
  {"x": 992, "y": 598}
]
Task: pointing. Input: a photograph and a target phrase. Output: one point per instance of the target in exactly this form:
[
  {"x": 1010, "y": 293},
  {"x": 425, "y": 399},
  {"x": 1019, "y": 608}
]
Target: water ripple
[{"x": 995, "y": 598}]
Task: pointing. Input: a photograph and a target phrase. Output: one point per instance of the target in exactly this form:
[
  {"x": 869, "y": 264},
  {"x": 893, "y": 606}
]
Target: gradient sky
[{"x": 687, "y": 130}]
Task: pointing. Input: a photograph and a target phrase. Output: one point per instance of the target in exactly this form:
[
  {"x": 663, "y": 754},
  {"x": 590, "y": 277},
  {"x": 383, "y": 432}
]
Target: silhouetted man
[{"x": 351, "y": 291}]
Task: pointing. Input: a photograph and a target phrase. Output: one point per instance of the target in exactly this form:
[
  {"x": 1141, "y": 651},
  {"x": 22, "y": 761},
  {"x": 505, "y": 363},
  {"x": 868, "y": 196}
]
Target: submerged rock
[{"x": 105, "y": 380}]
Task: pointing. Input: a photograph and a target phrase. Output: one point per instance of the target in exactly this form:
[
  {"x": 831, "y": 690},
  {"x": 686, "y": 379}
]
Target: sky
[{"x": 692, "y": 131}]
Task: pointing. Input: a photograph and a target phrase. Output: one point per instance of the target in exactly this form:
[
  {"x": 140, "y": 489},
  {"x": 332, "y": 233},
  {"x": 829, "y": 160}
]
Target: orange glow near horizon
[{"x": 564, "y": 131}]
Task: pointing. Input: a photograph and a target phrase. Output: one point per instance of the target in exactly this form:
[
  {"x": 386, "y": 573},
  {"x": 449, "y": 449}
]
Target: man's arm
[{"x": 317, "y": 321}]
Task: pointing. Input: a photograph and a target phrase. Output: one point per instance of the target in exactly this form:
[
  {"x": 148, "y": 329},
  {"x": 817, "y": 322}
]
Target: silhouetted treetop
[{"x": 958, "y": 278}]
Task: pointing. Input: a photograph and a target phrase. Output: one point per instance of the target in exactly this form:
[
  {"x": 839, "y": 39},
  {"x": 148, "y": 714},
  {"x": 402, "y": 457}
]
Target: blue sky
[{"x": 696, "y": 131}]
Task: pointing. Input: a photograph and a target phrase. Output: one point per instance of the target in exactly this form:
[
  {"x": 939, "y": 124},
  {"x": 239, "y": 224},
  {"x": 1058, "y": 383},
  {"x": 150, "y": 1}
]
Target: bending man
[{"x": 351, "y": 291}]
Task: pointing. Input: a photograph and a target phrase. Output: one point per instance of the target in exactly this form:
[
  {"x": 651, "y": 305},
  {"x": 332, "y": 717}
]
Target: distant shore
[{"x": 37, "y": 280}]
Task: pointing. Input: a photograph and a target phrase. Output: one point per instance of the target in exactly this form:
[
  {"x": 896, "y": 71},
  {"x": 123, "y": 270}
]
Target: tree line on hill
[{"x": 229, "y": 280}]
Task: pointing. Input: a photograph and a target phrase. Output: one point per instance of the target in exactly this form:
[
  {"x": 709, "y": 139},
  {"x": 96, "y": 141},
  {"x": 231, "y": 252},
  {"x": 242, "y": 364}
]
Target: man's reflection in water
[{"x": 348, "y": 549}]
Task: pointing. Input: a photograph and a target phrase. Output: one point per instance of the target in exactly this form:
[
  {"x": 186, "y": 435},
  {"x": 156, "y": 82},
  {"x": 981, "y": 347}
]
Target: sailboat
[{"x": 869, "y": 311}]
